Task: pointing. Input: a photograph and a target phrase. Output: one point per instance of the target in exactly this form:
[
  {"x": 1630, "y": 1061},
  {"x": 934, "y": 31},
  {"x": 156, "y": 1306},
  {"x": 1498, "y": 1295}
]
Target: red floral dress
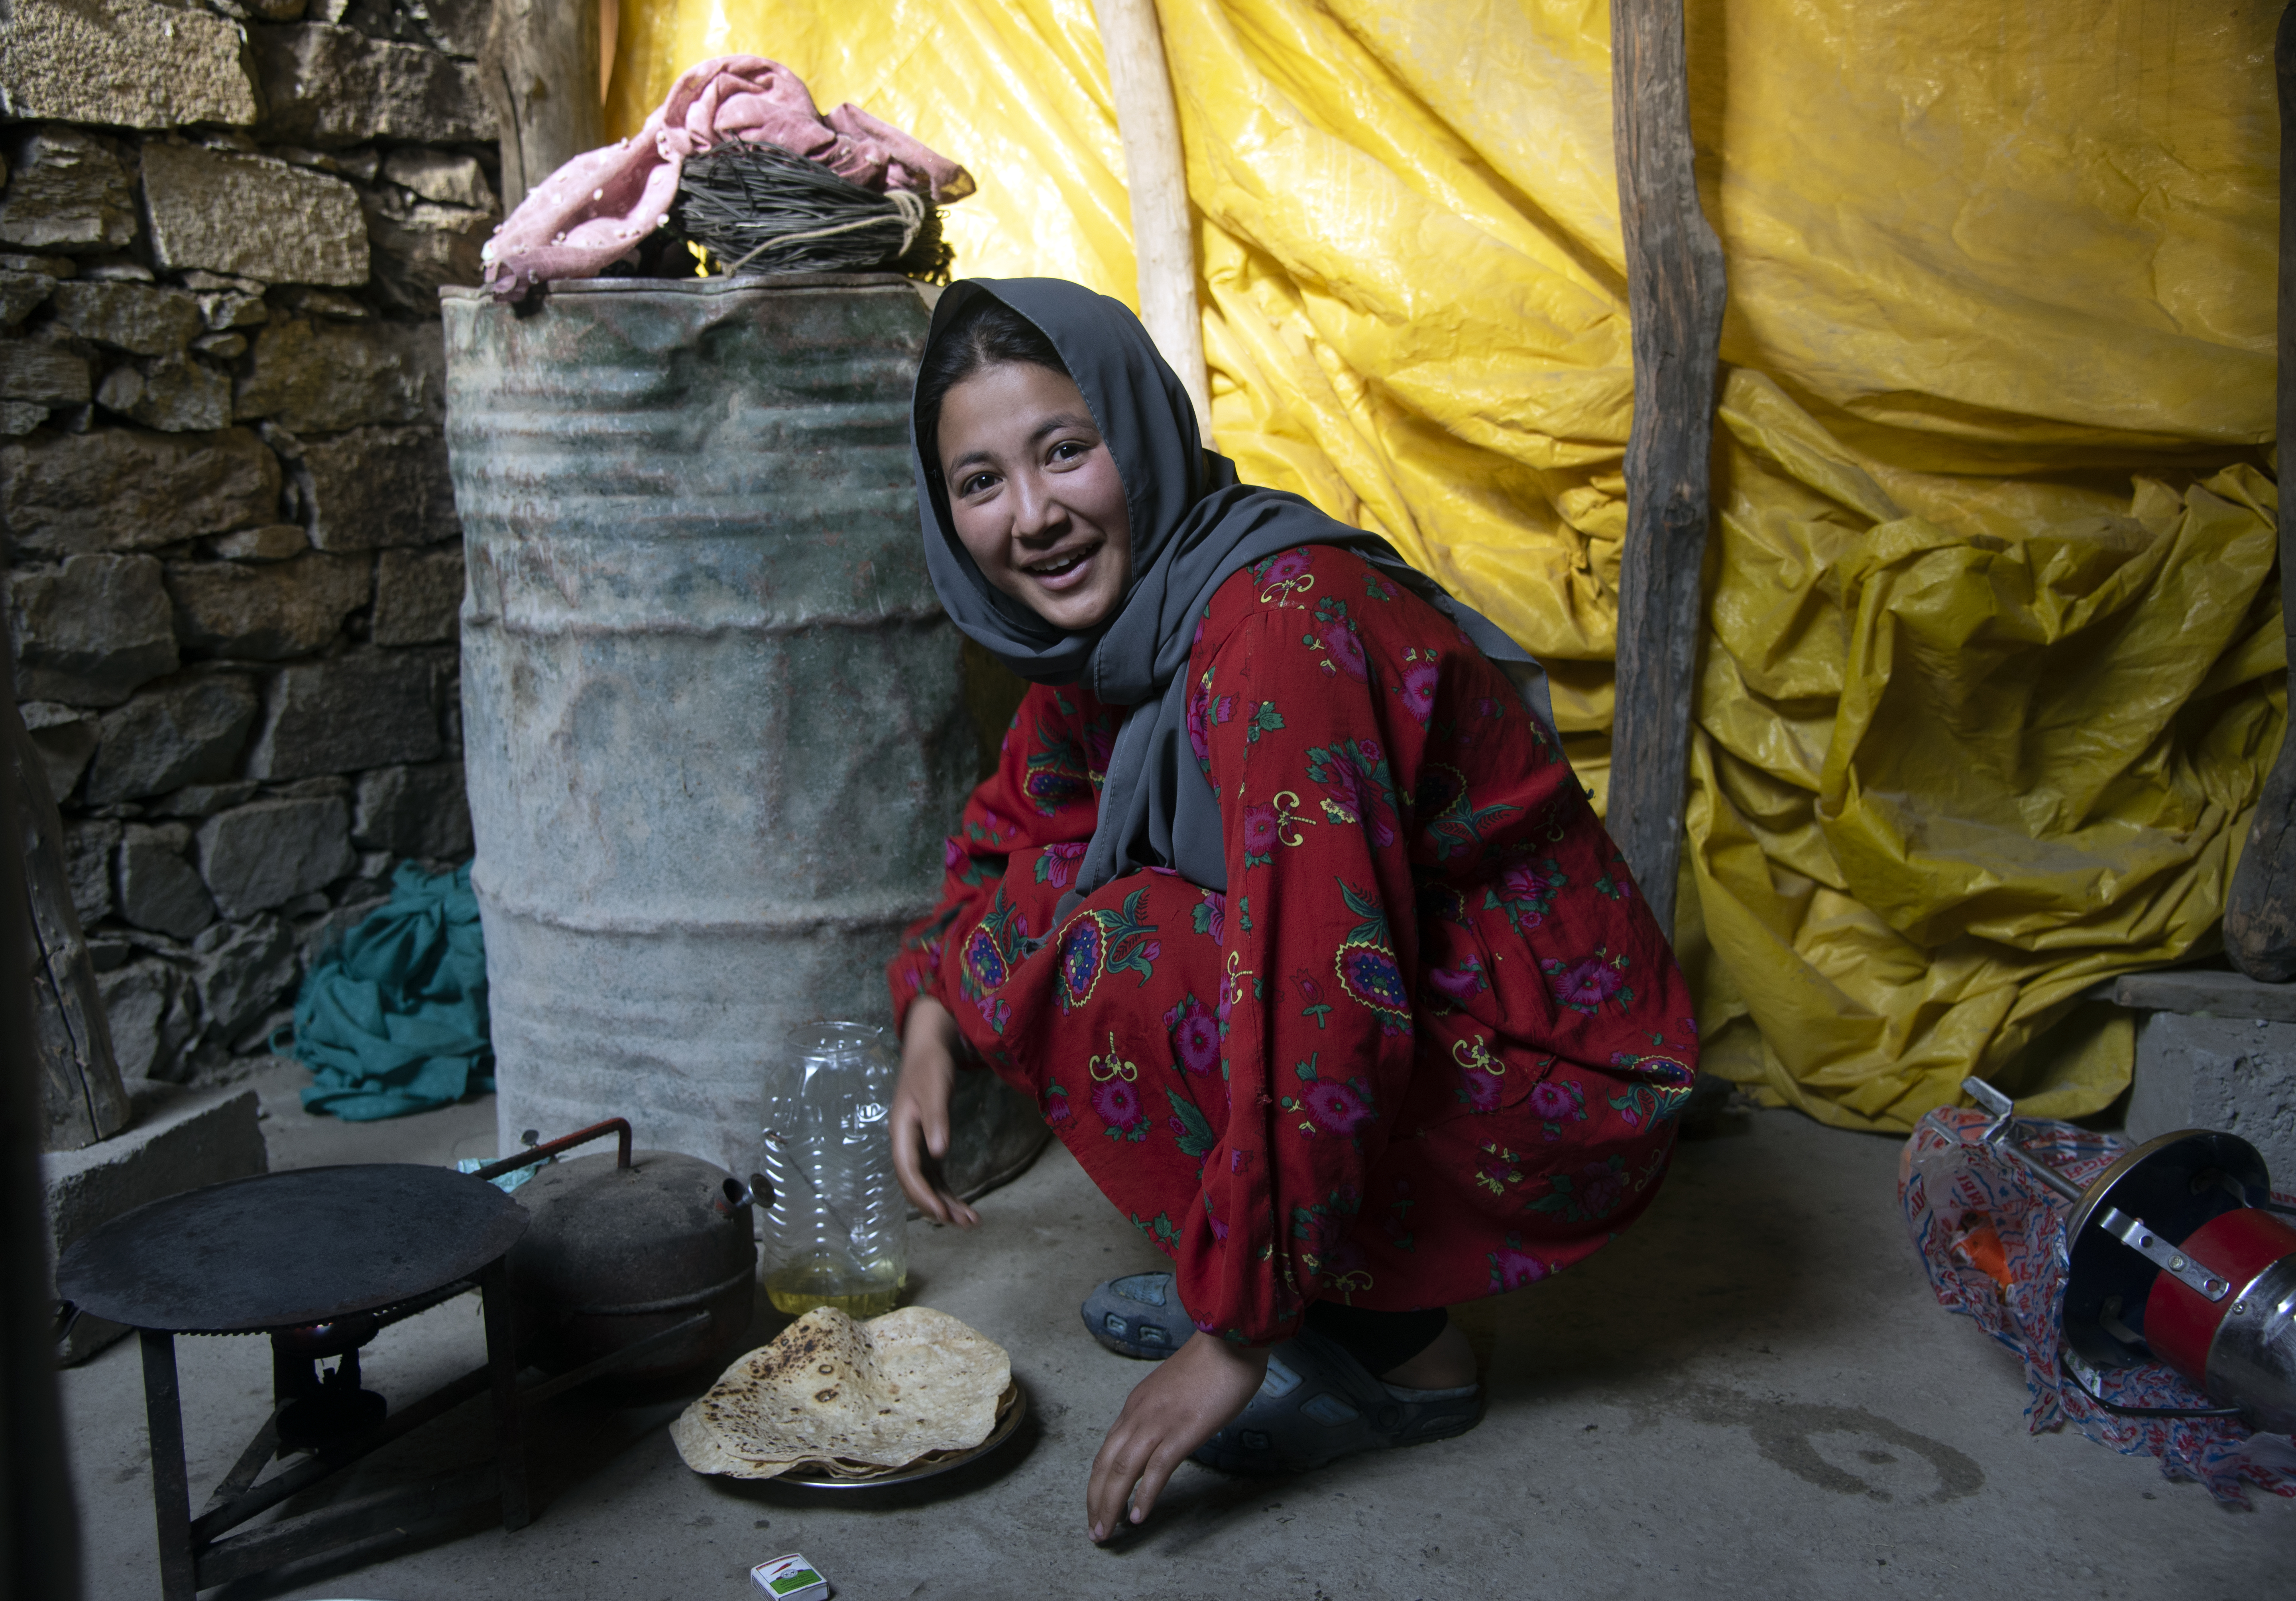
[{"x": 1427, "y": 1046}]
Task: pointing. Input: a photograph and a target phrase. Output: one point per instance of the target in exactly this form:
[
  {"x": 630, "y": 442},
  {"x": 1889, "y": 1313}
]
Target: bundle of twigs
[{"x": 758, "y": 209}]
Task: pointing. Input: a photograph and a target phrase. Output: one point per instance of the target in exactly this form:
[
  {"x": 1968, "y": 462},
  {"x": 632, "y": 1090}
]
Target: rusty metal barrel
[{"x": 714, "y": 720}]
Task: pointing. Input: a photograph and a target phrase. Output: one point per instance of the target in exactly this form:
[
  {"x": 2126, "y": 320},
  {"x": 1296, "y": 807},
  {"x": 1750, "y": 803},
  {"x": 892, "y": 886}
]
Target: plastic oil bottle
[{"x": 837, "y": 1234}]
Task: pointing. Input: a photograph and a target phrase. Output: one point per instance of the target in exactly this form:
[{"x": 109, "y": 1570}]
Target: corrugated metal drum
[{"x": 714, "y": 720}]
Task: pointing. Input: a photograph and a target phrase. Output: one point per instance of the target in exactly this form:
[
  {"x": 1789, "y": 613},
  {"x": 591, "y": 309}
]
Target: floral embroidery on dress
[
  {"x": 1558, "y": 1102},
  {"x": 1585, "y": 984},
  {"x": 1355, "y": 772},
  {"x": 1104, "y": 941},
  {"x": 1526, "y": 892},
  {"x": 1648, "y": 1104},
  {"x": 1332, "y": 1105},
  {"x": 1365, "y": 963},
  {"x": 1209, "y": 916},
  {"x": 1594, "y": 1193},
  {"x": 1335, "y": 636},
  {"x": 1206, "y": 713},
  {"x": 1053, "y": 868},
  {"x": 1513, "y": 1267},
  {"x": 1449, "y": 818},
  {"x": 1195, "y": 1035}
]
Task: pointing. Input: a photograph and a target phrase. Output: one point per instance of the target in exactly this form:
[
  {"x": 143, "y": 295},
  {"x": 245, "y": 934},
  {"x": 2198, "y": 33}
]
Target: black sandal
[{"x": 1318, "y": 1404}]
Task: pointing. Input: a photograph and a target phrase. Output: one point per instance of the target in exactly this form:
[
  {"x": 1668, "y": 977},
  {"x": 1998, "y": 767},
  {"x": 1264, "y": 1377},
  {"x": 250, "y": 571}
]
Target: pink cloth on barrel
[{"x": 602, "y": 204}]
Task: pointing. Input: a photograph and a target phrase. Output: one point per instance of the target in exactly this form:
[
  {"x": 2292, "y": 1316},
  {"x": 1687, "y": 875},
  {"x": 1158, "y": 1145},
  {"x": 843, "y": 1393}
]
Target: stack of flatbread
[{"x": 849, "y": 1400}]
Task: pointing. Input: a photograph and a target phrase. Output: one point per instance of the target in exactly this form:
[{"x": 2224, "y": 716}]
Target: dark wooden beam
[
  {"x": 540, "y": 70},
  {"x": 2260, "y": 913},
  {"x": 1675, "y": 294}
]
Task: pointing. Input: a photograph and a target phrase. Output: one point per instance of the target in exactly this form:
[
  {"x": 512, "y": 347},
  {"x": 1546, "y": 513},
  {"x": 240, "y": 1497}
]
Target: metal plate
[
  {"x": 1012, "y": 1406},
  {"x": 285, "y": 1249}
]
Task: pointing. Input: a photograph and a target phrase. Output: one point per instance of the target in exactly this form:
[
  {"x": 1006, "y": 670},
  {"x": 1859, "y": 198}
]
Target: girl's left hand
[{"x": 1190, "y": 1397}]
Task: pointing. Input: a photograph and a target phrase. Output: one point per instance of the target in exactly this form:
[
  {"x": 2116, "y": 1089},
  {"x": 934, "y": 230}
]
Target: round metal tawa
[
  {"x": 285, "y": 1249},
  {"x": 1012, "y": 1406},
  {"x": 2173, "y": 1184}
]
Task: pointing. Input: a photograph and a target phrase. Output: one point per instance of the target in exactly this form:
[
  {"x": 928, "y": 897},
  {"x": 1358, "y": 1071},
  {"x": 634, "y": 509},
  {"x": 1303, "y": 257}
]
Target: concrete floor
[{"x": 1751, "y": 1395}]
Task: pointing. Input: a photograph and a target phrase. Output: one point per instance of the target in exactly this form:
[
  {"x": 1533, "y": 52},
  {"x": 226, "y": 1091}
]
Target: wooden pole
[
  {"x": 2260, "y": 913},
  {"x": 1156, "y": 174},
  {"x": 1675, "y": 294},
  {"x": 541, "y": 68},
  {"x": 82, "y": 1098}
]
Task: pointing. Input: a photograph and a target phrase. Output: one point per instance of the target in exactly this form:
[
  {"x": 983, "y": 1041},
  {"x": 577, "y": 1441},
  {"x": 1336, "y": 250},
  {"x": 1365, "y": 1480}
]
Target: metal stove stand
[{"x": 320, "y": 1260}]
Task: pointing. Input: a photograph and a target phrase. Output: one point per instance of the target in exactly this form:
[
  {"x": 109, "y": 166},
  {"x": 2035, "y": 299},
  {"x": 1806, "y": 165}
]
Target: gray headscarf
[{"x": 1192, "y": 525}]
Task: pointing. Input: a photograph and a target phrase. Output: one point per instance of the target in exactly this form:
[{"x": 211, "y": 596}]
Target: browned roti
[{"x": 847, "y": 1399}]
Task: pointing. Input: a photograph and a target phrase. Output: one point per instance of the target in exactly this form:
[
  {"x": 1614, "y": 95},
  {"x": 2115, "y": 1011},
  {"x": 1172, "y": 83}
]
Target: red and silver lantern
[{"x": 2178, "y": 1253}]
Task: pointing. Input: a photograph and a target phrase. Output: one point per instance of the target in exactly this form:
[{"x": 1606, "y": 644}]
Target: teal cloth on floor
[{"x": 393, "y": 1019}]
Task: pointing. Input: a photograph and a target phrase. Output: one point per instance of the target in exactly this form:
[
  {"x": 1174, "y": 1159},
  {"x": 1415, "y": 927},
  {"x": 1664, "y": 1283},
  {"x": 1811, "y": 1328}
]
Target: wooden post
[
  {"x": 540, "y": 69},
  {"x": 2259, "y": 922},
  {"x": 81, "y": 1095},
  {"x": 1156, "y": 174},
  {"x": 1675, "y": 294}
]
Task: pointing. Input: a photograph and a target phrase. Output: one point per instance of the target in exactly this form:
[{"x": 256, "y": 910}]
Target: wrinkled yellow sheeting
[{"x": 1994, "y": 664}]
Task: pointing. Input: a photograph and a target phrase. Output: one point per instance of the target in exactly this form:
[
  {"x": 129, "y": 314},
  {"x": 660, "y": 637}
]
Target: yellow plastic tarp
[{"x": 1994, "y": 663}]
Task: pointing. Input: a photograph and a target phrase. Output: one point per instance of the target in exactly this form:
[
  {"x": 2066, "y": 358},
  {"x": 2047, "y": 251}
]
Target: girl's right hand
[{"x": 920, "y": 1113}]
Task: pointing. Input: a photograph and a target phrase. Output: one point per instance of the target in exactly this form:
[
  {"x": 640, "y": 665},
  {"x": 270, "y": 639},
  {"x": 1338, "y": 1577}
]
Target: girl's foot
[
  {"x": 1141, "y": 1316},
  {"x": 1446, "y": 1365},
  {"x": 1318, "y": 1403}
]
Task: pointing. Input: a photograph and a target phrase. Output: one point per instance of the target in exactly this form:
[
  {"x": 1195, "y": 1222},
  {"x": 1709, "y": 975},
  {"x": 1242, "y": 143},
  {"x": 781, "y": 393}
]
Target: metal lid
[{"x": 285, "y": 1249}]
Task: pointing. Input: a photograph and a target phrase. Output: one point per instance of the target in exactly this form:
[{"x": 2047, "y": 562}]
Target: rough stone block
[
  {"x": 69, "y": 189},
  {"x": 242, "y": 969},
  {"x": 88, "y": 845},
  {"x": 201, "y": 800},
  {"x": 156, "y": 885},
  {"x": 19, "y": 417},
  {"x": 332, "y": 86},
  {"x": 414, "y": 811},
  {"x": 65, "y": 738},
  {"x": 40, "y": 372},
  {"x": 189, "y": 731},
  {"x": 275, "y": 542},
  {"x": 182, "y": 1140},
  {"x": 20, "y": 293},
  {"x": 175, "y": 394},
  {"x": 267, "y": 613},
  {"x": 125, "y": 62},
  {"x": 136, "y": 317},
  {"x": 92, "y": 630},
  {"x": 2234, "y": 1073},
  {"x": 375, "y": 488},
  {"x": 119, "y": 488},
  {"x": 440, "y": 175},
  {"x": 154, "y": 1014},
  {"x": 264, "y": 854},
  {"x": 420, "y": 247},
  {"x": 252, "y": 217},
  {"x": 347, "y": 715},
  {"x": 319, "y": 376},
  {"x": 418, "y": 596}
]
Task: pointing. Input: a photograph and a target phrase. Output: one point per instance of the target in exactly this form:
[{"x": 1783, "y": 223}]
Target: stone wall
[{"x": 235, "y": 567}]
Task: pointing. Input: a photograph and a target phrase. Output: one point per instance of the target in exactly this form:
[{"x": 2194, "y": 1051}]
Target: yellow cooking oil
[{"x": 824, "y": 1280}]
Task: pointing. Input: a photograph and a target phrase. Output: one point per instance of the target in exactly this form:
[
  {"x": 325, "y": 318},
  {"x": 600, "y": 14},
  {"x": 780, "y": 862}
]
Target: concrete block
[
  {"x": 126, "y": 62},
  {"x": 182, "y": 1140},
  {"x": 252, "y": 217},
  {"x": 2236, "y": 1074}
]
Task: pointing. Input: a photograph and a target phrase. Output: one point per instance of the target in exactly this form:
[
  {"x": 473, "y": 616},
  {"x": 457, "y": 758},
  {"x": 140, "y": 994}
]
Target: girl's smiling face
[{"x": 1033, "y": 493}]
